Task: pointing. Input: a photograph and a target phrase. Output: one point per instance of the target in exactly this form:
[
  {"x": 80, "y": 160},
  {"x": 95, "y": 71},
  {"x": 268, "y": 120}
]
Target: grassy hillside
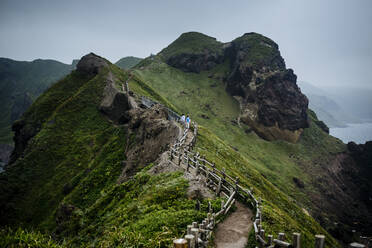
[
  {"x": 191, "y": 42},
  {"x": 198, "y": 95},
  {"x": 21, "y": 83},
  {"x": 128, "y": 62},
  {"x": 66, "y": 183},
  {"x": 279, "y": 162}
]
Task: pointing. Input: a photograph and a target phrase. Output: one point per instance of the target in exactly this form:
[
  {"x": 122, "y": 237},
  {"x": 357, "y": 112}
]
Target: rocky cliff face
[{"x": 271, "y": 102}]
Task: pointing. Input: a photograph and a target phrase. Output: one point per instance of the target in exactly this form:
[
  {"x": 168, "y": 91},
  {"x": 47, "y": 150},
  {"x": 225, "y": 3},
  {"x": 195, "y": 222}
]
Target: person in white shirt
[{"x": 182, "y": 120}]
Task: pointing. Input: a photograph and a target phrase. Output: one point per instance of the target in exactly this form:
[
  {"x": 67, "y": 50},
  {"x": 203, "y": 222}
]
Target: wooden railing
[
  {"x": 222, "y": 184},
  {"x": 198, "y": 235}
]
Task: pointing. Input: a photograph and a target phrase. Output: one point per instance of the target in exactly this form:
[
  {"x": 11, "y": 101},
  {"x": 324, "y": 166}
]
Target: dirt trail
[{"x": 233, "y": 231}]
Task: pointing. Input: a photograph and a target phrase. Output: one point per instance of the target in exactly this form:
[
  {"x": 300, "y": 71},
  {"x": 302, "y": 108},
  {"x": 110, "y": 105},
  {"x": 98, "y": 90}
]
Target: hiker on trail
[
  {"x": 187, "y": 122},
  {"x": 183, "y": 119}
]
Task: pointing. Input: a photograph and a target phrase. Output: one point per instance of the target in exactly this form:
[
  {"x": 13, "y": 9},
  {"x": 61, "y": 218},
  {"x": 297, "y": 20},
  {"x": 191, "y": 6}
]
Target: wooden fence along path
[{"x": 199, "y": 234}]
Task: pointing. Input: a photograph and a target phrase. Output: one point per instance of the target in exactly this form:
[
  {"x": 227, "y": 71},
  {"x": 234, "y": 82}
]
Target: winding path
[{"x": 234, "y": 230}]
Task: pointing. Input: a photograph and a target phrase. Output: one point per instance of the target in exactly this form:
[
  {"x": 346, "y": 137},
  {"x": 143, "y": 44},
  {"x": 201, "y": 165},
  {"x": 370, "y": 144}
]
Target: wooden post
[
  {"x": 213, "y": 220},
  {"x": 259, "y": 227},
  {"x": 296, "y": 240},
  {"x": 258, "y": 221},
  {"x": 223, "y": 173},
  {"x": 189, "y": 229},
  {"x": 204, "y": 222},
  {"x": 236, "y": 184},
  {"x": 210, "y": 210},
  {"x": 207, "y": 174},
  {"x": 218, "y": 190},
  {"x": 180, "y": 243},
  {"x": 269, "y": 239},
  {"x": 319, "y": 241},
  {"x": 222, "y": 204},
  {"x": 195, "y": 232},
  {"x": 213, "y": 168},
  {"x": 187, "y": 163},
  {"x": 201, "y": 234},
  {"x": 179, "y": 158},
  {"x": 194, "y": 224},
  {"x": 281, "y": 236},
  {"x": 197, "y": 166},
  {"x": 262, "y": 234},
  {"x": 190, "y": 241},
  {"x": 171, "y": 154}
]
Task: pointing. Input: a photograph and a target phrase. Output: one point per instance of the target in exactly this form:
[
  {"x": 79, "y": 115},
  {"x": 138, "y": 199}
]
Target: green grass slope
[
  {"x": 66, "y": 183},
  {"x": 202, "y": 95},
  {"x": 191, "y": 43},
  {"x": 128, "y": 62},
  {"x": 20, "y": 80}
]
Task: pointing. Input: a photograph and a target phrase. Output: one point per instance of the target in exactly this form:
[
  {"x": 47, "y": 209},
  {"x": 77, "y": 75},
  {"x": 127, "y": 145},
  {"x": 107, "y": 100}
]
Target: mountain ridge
[{"x": 102, "y": 192}]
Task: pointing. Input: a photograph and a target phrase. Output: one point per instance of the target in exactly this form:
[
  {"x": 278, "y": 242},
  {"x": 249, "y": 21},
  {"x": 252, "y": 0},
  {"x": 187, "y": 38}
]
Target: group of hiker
[{"x": 185, "y": 120}]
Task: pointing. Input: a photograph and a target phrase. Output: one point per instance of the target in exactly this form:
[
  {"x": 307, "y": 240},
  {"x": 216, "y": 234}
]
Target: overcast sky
[{"x": 327, "y": 43}]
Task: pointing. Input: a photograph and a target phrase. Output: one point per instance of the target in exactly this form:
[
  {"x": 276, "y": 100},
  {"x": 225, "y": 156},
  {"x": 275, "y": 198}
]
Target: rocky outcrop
[
  {"x": 151, "y": 133},
  {"x": 195, "y": 62},
  {"x": 23, "y": 132},
  {"x": 193, "y": 52},
  {"x": 91, "y": 64},
  {"x": 114, "y": 103},
  {"x": 270, "y": 100}
]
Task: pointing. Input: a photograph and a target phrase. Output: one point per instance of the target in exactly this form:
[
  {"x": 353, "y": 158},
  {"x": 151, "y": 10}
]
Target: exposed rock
[
  {"x": 298, "y": 182},
  {"x": 151, "y": 134},
  {"x": 114, "y": 103},
  {"x": 195, "y": 62},
  {"x": 91, "y": 64},
  {"x": 23, "y": 132},
  {"x": 271, "y": 102},
  {"x": 193, "y": 52}
]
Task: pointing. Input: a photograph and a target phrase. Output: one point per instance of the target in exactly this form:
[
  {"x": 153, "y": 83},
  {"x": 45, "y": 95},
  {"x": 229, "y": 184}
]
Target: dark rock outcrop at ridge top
[
  {"x": 195, "y": 62},
  {"x": 193, "y": 52},
  {"x": 91, "y": 64},
  {"x": 270, "y": 100}
]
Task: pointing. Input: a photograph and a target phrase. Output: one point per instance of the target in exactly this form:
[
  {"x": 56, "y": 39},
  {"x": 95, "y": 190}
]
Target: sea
[{"x": 357, "y": 132}]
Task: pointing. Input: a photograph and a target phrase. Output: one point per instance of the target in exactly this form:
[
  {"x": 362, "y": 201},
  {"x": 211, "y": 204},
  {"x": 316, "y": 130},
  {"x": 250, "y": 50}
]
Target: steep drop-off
[
  {"x": 270, "y": 100},
  {"x": 303, "y": 170}
]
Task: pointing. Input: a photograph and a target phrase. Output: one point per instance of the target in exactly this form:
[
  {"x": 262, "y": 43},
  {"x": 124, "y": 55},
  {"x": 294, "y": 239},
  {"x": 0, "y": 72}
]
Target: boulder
[
  {"x": 91, "y": 64},
  {"x": 114, "y": 103},
  {"x": 151, "y": 134}
]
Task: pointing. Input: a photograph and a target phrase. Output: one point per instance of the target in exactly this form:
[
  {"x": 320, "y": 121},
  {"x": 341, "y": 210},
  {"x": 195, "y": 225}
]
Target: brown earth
[{"x": 234, "y": 230}]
